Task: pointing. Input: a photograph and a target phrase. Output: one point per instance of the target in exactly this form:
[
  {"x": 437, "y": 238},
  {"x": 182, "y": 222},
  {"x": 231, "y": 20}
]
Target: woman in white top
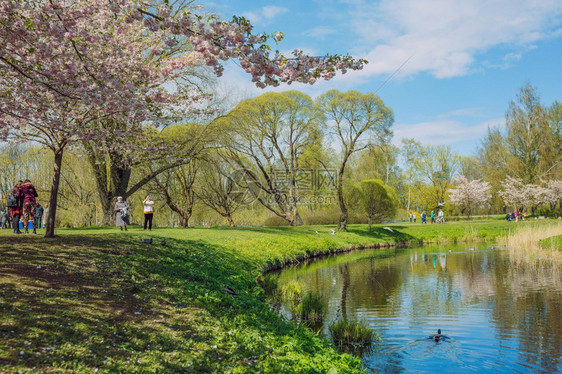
[{"x": 148, "y": 204}]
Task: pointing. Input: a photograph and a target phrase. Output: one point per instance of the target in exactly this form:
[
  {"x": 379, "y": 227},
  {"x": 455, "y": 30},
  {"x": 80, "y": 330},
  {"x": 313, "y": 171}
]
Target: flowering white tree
[
  {"x": 518, "y": 195},
  {"x": 469, "y": 195},
  {"x": 553, "y": 193},
  {"x": 67, "y": 65}
]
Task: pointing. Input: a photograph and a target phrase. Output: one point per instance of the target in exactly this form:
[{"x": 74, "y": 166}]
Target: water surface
[{"x": 501, "y": 314}]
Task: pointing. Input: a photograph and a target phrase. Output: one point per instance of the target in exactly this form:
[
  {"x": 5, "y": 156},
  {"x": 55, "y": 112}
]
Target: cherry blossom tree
[
  {"x": 65, "y": 66},
  {"x": 552, "y": 193},
  {"x": 519, "y": 195},
  {"x": 469, "y": 194}
]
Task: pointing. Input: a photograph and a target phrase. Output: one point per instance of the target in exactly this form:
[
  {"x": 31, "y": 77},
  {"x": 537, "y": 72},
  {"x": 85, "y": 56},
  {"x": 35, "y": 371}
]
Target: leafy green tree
[
  {"x": 267, "y": 137},
  {"x": 493, "y": 157},
  {"x": 436, "y": 166},
  {"x": 377, "y": 200},
  {"x": 527, "y": 131},
  {"x": 356, "y": 121}
]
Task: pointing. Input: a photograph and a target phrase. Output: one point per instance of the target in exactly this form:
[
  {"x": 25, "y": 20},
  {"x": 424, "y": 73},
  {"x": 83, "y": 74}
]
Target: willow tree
[
  {"x": 268, "y": 135},
  {"x": 356, "y": 121}
]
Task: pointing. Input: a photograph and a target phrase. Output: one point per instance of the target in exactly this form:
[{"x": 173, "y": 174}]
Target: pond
[{"x": 500, "y": 314}]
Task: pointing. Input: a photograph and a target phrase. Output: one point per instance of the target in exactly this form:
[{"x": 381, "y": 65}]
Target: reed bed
[{"x": 525, "y": 241}]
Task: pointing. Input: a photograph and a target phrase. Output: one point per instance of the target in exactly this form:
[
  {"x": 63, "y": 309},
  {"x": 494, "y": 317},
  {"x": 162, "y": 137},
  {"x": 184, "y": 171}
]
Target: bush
[
  {"x": 321, "y": 217},
  {"x": 275, "y": 221}
]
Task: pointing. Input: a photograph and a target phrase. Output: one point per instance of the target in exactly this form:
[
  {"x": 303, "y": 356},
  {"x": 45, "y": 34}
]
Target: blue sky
[{"x": 465, "y": 60}]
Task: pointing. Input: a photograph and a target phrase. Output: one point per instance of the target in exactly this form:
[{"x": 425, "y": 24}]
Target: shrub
[
  {"x": 275, "y": 221},
  {"x": 321, "y": 217}
]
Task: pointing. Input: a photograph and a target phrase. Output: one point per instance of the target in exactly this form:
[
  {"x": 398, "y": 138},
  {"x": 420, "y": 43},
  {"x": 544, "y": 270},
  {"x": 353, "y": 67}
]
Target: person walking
[
  {"x": 432, "y": 216},
  {"x": 424, "y": 218},
  {"x": 15, "y": 204},
  {"x": 122, "y": 213},
  {"x": 148, "y": 207},
  {"x": 39, "y": 214},
  {"x": 440, "y": 216},
  {"x": 28, "y": 194}
]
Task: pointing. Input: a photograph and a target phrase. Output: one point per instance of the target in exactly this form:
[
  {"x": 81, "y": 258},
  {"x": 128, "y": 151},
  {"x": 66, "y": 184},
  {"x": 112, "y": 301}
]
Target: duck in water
[{"x": 437, "y": 337}]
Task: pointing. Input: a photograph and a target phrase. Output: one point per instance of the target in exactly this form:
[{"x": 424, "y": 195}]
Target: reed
[
  {"x": 351, "y": 333},
  {"x": 291, "y": 293},
  {"x": 312, "y": 309},
  {"x": 530, "y": 241}
]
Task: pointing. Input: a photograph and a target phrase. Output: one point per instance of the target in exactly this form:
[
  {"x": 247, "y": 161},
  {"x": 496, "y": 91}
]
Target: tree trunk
[
  {"x": 230, "y": 220},
  {"x": 342, "y": 223},
  {"x": 50, "y": 224},
  {"x": 370, "y": 223},
  {"x": 184, "y": 219}
]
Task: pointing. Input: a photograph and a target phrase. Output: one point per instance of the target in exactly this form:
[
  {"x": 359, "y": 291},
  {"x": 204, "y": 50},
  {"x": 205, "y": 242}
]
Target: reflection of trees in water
[
  {"x": 344, "y": 271},
  {"x": 530, "y": 303},
  {"x": 525, "y": 298}
]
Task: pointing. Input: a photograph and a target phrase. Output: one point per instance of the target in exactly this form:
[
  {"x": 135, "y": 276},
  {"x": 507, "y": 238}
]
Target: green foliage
[
  {"x": 347, "y": 333},
  {"x": 312, "y": 309},
  {"x": 269, "y": 283},
  {"x": 375, "y": 199},
  {"x": 291, "y": 293}
]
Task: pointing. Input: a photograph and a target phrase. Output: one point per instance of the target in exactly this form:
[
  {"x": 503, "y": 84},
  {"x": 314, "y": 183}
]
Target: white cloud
[
  {"x": 265, "y": 15},
  {"x": 320, "y": 32},
  {"x": 445, "y": 36},
  {"x": 443, "y": 132}
]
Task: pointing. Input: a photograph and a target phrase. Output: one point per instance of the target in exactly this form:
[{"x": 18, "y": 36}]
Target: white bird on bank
[
  {"x": 333, "y": 232},
  {"x": 388, "y": 228}
]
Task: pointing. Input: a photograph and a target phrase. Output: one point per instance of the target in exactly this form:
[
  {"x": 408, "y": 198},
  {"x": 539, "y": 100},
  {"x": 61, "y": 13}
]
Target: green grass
[
  {"x": 98, "y": 298},
  {"x": 552, "y": 242}
]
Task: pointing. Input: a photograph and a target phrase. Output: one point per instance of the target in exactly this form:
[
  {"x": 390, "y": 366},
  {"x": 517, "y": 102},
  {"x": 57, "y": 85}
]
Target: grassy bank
[{"x": 100, "y": 299}]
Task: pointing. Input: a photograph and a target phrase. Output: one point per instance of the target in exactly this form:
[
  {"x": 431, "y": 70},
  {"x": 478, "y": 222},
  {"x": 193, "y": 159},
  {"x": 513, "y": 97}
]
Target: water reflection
[{"x": 501, "y": 315}]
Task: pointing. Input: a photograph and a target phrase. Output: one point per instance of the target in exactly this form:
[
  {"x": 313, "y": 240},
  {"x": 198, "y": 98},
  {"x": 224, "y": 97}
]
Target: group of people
[
  {"x": 22, "y": 205},
  {"x": 122, "y": 212},
  {"x": 412, "y": 216},
  {"x": 515, "y": 216}
]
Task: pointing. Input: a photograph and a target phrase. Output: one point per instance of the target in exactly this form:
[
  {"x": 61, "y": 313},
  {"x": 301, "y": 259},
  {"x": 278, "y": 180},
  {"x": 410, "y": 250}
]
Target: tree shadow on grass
[{"x": 79, "y": 302}]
